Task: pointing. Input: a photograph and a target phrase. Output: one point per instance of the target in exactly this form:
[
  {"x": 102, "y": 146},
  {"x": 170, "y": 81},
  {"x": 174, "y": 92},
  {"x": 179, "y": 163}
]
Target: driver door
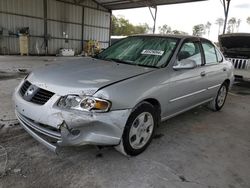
[{"x": 187, "y": 87}]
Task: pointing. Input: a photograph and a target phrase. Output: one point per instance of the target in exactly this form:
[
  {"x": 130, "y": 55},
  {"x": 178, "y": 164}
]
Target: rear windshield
[{"x": 141, "y": 50}]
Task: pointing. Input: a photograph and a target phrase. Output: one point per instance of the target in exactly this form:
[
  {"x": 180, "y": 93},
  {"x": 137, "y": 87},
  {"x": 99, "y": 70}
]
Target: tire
[
  {"x": 219, "y": 101},
  {"x": 139, "y": 130}
]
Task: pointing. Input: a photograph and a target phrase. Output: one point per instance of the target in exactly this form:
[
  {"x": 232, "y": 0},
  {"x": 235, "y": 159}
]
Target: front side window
[
  {"x": 191, "y": 51},
  {"x": 141, "y": 50},
  {"x": 210, "y": 53}
]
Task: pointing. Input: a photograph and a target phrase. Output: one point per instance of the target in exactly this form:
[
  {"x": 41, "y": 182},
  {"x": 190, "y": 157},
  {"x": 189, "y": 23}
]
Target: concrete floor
[{"x": 198, "y": 149}]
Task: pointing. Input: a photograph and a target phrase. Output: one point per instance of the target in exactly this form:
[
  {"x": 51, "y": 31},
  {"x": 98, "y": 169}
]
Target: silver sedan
[{"x": 119, "y": 97}]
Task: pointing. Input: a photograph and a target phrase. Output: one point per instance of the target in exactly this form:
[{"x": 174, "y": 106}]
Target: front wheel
[
  {"x": 139, "y": 130},
  {"x": 217, "y": 103}
]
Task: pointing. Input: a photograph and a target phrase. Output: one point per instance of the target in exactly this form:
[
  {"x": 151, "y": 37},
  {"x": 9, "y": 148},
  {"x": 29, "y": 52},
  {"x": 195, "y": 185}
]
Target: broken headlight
[{"x": 84, "y": 103}]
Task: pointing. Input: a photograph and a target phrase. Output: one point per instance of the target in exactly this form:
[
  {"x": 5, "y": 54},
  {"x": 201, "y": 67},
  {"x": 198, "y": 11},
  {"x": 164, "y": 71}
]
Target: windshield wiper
[
  {"x": 112, "y": 59},
  {"x": 97, "y": 57},
  {"x": 125, "y": 62},
  {"x": 130, "y": 63},
  {"x": 150, "y": 66},
  {"x": 119, "y": 61}
]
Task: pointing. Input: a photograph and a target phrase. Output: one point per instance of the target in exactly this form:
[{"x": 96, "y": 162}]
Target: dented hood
[
  {"x": 235, "y": 44},
  {"x": 83, "y": 76}
]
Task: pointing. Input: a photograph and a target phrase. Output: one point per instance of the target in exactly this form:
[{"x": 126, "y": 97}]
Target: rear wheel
[
  {"x": 139, "y": 129},
  {"x": 217, "y": 103}
]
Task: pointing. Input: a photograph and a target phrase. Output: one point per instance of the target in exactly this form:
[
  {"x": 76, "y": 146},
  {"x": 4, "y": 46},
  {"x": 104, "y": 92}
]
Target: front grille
[
  {"x": 40, "y": 96},
  {"x": 24, "y": 87},
  {"x": 240, "y": 63}
]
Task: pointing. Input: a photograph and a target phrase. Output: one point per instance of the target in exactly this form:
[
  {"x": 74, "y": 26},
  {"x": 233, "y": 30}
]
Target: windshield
[{"x": 141, "y": 50}]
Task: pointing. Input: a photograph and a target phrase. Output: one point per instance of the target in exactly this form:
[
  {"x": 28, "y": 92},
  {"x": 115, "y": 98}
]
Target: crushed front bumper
[{"x": 54, "y": 127}]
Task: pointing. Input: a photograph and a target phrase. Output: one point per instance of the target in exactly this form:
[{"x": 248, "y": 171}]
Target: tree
[
  {"x": 121, "y": 26},
  {"x": 165, "y": 29},
  {"x": 248, "y": 20},
  {"x": 219, "y": 22},
  {"x": 198, "y": 30},
  {"x": 208, "y": 27},
  {"x": 177, "y": 32},
  {"x": 231, "y": 25},
  {"x": 142, "y": 28},
  {"x": 238, "y": 24}
]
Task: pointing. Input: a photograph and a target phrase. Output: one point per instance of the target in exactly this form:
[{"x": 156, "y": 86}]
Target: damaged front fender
[
  {"x": 70, "y": 127},
  {"x": 93, "y": 128}
]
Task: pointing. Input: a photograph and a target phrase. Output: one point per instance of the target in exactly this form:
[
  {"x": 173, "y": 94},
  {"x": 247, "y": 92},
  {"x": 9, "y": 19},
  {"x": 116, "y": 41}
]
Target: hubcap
[
  {"x": 222, "y": 96},
  {"x": 141, "y": 130}
]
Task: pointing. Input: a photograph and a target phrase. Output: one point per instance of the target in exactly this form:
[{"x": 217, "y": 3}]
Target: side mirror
[{"x": 185, "y": 64}]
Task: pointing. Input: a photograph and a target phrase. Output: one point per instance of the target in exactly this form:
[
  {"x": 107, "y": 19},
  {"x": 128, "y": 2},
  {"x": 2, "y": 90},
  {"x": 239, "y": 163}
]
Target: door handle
[
  {"x": 224, "y": 69},
  {"x": 203, "y": 73}
]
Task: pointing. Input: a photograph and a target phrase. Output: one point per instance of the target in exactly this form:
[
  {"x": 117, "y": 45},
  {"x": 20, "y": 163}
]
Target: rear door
[{"x": 215, "y": 69}]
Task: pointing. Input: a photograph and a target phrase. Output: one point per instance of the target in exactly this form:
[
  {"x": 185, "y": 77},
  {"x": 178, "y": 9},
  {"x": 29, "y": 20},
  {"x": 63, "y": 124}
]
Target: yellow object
[
  {"x": 101, "y": 105},
  {"x": 24, "y": 47},
  {"x": 92, "y": 47}
]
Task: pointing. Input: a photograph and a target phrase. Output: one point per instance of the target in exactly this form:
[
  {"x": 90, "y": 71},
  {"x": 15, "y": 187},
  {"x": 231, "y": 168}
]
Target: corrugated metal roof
[{"x": 125, "y": 4}]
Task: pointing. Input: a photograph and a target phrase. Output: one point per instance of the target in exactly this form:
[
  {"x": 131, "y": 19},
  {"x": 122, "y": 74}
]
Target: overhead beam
[{"x": 127, "y": 4}]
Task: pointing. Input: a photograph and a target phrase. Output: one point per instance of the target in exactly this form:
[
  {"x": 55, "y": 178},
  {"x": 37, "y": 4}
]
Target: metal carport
[
  {"x": 53, "y": 22},
  {"x": 127, "y": 4}
]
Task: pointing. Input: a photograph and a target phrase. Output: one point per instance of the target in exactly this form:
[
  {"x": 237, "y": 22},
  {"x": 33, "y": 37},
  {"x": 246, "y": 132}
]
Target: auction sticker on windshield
[{"x": 153, "y": 52}]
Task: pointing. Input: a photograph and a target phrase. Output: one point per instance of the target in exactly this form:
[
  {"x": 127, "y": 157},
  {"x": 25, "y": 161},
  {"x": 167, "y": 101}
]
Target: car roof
[{"x": 171, "y": 36}]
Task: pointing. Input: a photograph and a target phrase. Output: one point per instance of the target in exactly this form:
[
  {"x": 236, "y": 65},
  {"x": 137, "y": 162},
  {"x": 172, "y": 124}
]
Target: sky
[{"x": 184, "y": 16}]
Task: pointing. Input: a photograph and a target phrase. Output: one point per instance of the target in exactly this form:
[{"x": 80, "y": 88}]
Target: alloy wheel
[{"x": 141, "y": 130}]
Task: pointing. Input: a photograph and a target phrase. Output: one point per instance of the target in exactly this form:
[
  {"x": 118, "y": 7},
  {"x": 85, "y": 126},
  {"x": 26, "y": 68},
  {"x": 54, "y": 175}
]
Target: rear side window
[
  {"x": 219, "y": 56},
  {"x": 210, "y": 53}
]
